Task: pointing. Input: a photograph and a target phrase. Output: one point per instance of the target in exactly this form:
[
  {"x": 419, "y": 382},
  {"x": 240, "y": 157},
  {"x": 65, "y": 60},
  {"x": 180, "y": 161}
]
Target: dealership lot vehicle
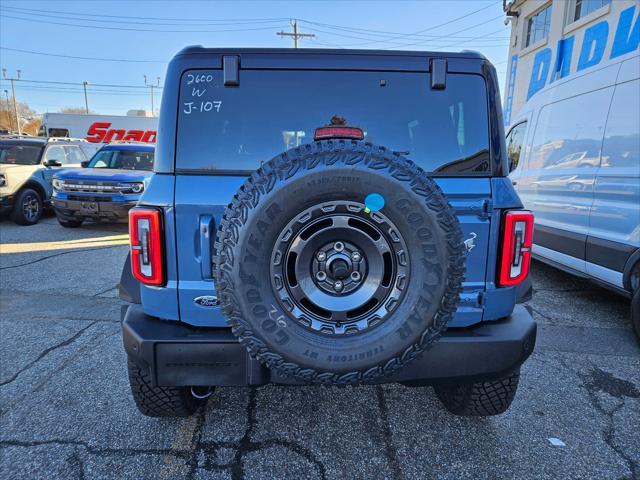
[
  {"x": 106, "y": 188},
  {"x": 27, "y": 165},
  {"x": 66, "y": 412},
  {"x": 339, "y": 261},
  {"x": 576, "y": 150}
]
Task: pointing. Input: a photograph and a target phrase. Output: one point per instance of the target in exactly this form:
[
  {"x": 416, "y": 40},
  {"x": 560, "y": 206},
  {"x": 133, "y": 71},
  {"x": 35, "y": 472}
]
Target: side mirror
[
  {"x": 84, "y": 163},
  {"x": 52, "y": 163}
]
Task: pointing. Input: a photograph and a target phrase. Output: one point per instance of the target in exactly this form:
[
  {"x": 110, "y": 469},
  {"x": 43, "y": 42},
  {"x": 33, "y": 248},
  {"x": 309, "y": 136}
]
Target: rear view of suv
[
  {"x": 27, "y": 165},
  {"x": 328, "y": 217}
]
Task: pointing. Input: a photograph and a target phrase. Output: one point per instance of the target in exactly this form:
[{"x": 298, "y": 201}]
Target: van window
[
  {"x": 621, "y": 146},
  {"x": 236, "y": 128},
  {"x": 567, "y": 138},
  {"x": 515, "y": 138},
  {"x": 58, "y": 132}
]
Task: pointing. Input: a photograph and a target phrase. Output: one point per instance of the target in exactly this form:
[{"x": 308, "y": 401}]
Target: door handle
[
  {"x": 206, "y": 235},
  {"x": 514, "y": 182}
]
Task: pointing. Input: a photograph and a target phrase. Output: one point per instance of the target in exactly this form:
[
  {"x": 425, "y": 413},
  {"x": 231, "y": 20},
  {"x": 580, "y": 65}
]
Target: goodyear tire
[
  {"x": 338, "y": 262},
  {"x": 155, "y": 401},
  {"x": 481, "y": 399}
]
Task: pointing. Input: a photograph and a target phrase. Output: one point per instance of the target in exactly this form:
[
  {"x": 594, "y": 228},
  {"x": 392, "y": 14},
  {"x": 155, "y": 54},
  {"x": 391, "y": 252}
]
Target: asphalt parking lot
[{"x": 66, "y": 411}]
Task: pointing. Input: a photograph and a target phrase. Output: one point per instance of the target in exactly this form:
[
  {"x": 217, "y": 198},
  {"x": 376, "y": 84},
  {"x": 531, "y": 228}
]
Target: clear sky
[{"x": 148, "y": 33}]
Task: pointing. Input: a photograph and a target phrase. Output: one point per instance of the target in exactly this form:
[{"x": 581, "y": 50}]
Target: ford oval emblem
[{"x": 206, "y": 301}]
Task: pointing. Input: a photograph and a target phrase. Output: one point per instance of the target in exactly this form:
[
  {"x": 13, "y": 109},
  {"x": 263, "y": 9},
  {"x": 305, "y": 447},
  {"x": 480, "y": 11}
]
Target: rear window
[
  {"x": 236, "y": 128},
  {"x": 122, "y": 160}
]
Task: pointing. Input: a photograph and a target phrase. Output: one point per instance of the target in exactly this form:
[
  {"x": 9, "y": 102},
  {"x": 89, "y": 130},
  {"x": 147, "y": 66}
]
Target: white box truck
[{"x": 100, "y": 129}]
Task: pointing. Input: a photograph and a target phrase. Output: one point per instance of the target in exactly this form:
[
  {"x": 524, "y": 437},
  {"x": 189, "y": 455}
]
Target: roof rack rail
[
  {"x": 16, "y": 135},
  {"x": 65, "y": 139}
]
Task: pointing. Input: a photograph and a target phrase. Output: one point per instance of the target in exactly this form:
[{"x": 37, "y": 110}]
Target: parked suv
[
  {"x": 27, "y": 165},
  {"x": 328, "y": 217},
  {"x": 109, "y": 185}
]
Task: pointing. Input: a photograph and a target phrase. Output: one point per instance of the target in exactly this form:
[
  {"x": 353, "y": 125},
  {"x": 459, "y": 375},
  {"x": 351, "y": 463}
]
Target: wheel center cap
[{"x": 339, "y": 269}]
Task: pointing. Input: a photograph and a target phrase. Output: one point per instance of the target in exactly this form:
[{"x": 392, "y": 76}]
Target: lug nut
[
  {"x": 355, "y": 276},
  {"x": 338, "y": 246},
  {"x": 321, "y": 256},
  {"x": 338, "y": 286},
  {"x": 355, "y": 256},
  {"x": 321, "y": 276}
]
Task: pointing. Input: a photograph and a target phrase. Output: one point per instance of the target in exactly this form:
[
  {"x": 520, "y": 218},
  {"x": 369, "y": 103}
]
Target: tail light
[
  {"x": 517, "y": 236},
  {"x": 338, "y": 131},
  {"x": 145, "y": 237}
]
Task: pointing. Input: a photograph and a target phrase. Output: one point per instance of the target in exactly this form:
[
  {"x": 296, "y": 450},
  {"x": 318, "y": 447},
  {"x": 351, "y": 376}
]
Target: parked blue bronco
[
  {"x": 383, "y": 241},
  {"x": 108, "y": 186}
]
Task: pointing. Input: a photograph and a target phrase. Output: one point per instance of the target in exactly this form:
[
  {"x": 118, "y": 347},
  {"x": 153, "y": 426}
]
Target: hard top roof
[
  {"x": 466, "y": 61},
  {"x": 199, "y": 49}
]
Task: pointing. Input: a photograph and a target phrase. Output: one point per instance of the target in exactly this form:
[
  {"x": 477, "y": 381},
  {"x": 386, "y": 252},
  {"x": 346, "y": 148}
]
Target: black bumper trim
[
  {"x": 179, "y": 355},
  {"x": 73, "y": 210}
]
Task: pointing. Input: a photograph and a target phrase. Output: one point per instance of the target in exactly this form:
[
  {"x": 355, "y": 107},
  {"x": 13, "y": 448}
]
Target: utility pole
[
  {"x": 295, "y": 34},
  {"x": 6, "y": 94},
  {"x": 86, "y": 100},
  {"x": 152, "y": 86},
  {"x": 13, "y": 92}
]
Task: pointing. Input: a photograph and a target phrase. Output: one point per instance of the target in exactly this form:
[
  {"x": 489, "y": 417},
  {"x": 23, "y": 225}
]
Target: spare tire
[{"x": 338, "y": 262}]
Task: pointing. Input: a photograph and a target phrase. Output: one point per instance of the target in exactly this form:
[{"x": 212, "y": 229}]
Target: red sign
[{"x": 99, "y": 132}]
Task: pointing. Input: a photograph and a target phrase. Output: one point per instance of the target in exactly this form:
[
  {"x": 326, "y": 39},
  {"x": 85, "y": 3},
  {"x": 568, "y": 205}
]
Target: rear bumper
[
  {"x": 90, "y": 210},
  {"x": 179, "y": 355}
]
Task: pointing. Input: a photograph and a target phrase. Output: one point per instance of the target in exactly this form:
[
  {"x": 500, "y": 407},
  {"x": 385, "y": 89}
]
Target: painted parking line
[{"x": 30, "y": 247}]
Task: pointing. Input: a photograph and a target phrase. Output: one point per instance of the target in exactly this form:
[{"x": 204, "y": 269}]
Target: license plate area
[
  {"x": 89, "y": 207},
  {"x": 181, "y": 364}
]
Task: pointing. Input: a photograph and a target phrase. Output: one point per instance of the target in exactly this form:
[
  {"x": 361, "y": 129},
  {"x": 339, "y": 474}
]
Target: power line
[
  {"x": 238, "y": 20},
  {"x": 380, "y": 33},
  {"x": 102, "y": 27},
  {"x": 48, "y": 54},
  {"x": 51, "y": 82},
  {"x": 428, "y": 29},
  {"x": 50, "y": 14}
]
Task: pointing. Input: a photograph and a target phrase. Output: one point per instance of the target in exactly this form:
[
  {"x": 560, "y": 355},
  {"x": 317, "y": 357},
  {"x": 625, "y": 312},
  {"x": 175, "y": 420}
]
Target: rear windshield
[
  {"x": 13, "y": 154},
  {"x": 122, "y": 159},
  {"x": 236, "y": 128}
]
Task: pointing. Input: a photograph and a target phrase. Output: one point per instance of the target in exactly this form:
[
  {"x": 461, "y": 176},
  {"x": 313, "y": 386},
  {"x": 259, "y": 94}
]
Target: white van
[{"x": 575, "y": 154}]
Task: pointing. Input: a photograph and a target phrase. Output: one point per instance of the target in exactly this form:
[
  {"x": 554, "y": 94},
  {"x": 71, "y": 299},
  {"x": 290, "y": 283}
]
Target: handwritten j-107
[{"x": 202, "y": 107}]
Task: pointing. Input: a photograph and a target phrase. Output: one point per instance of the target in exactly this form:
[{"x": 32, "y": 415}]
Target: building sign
[
  {"x": 511, "y": 85},
  {"x": 626, "y": 38}
]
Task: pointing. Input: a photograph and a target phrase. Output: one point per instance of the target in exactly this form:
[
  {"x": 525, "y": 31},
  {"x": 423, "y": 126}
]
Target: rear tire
[
  {"x": 480, "y": 399},
  {"x": 27, "y": 209},
  {"x": 69, "y": 223},
  {"x": 160, "y": 401}
]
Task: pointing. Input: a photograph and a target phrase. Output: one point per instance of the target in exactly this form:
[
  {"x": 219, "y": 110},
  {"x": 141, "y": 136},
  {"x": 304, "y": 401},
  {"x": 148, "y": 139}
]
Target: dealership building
[{"x": 558, "y": 38}]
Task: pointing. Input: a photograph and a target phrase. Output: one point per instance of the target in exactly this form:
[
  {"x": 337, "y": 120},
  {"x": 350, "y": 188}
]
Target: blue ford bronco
[
  {"x": 328, "y": 217},
  {"x": 107, "y": 186}
]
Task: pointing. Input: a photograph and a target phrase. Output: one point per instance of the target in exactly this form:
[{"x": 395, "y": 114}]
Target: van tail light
[
  {"x": 145, "y": 238},
  {"x": 517, "y": 237}
]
